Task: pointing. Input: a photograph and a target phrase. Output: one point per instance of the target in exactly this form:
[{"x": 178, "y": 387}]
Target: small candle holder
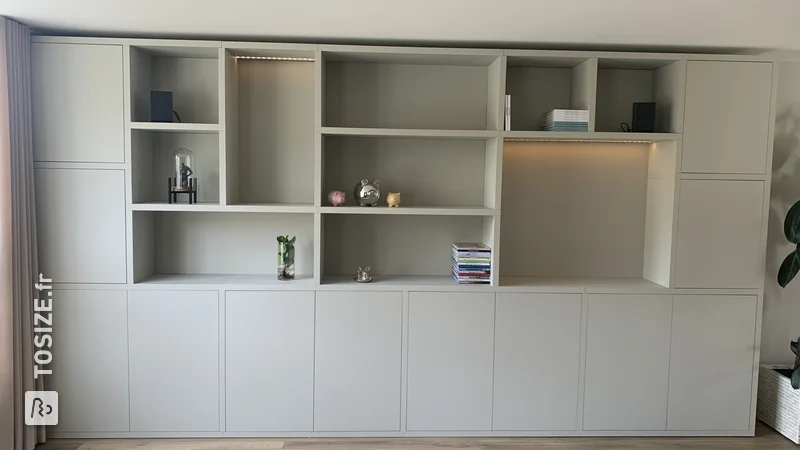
[{"x": 362, "y": 275}]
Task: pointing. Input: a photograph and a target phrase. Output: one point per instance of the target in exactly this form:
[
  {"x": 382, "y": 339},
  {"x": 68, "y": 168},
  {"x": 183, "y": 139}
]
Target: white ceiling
[{"x": 749, "y": 25}]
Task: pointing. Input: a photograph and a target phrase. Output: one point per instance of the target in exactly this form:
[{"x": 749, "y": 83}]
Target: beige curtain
[{"x": 18, "y": 270}]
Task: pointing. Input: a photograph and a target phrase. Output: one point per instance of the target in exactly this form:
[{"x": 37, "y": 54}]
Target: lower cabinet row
[{"x": 152, "y": 361}]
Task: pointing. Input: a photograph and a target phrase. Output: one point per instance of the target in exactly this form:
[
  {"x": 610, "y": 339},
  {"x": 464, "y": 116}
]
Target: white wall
[
  {"x": 781, "y": 322},
  {"x": 750, "y": 24}
]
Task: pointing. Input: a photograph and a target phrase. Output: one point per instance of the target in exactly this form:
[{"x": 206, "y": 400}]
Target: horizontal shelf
[
  {"x": 410, "y": 133},
  {"x": 400, "y": 282},
  {"x": 244, "y": 282},
  {"x": 412, "y": 210},
  {"x": 287, "y": 208},
  {"x": 555, "y": 136},
  {"x": 184, "y": 279},
  {"x": 597, "y": 285},
  {"x": 178, "y": 127}
]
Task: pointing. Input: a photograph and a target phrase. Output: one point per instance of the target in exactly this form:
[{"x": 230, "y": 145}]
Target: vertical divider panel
[
  {"x": 669, "y": 92},
  {"x": 229, "y": 115},
  {"x": 126, "y": 102},
  {"x": 495, "y": 115},
  {"x": 491, "y": 237},
  {"x": 584, "y": 88},
  {"x": 660, "y": 212},
  {"x": 319, "y": 247},
  {"x": 319, "y": 159},
  {"x": 319, "y": 111}
]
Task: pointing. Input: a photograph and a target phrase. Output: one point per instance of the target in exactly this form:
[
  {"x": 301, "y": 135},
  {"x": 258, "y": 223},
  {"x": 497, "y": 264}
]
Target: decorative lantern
[{"x": 183, "y": 181}]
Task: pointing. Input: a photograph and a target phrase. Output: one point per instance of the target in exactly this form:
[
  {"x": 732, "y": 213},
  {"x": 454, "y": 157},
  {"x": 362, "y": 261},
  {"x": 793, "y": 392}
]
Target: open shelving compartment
[
  {"x": 426, "y": 123},
  {"x": 401, "y": 250},
  {"x": 539, "y": 82},
  {"x": 189, "y": 247},
  {"x": 152, "y": 166},
  {"x": 623, "y": 81},
  {"x": 270, "y": 116},
  {"x": 430, "y": 89},
  {"x": 189, "y": 70},
  {"x": 588, "y": 213}
]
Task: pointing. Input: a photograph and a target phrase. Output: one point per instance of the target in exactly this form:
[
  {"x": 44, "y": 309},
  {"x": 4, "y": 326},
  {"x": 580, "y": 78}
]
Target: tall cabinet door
[
  {"x": 81, "y": 225},
  {"x": 712, "y": 362},
  {"x": 537, "y": 351},
  {"x": 358, "y": 361},
  {"x": 627, "y": 362},
  {"x": 77, "y": 101},
  {"x": 90, "y": 360},
  {"x": 450, "y": 353},
  {"x": 174, "y": 360},
  {"x": 726, "y": 123},
  {"x": 269, "y": 361}
]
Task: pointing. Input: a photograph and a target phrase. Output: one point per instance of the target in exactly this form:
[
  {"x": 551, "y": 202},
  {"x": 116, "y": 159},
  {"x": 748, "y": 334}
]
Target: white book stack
[
  {"x": 472, "y": 263},
  {"x": 568, "y": 120}
]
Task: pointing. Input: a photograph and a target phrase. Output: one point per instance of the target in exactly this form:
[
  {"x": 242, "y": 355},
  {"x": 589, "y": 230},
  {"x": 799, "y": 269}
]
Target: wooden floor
[{"x": 766, "y": 439}]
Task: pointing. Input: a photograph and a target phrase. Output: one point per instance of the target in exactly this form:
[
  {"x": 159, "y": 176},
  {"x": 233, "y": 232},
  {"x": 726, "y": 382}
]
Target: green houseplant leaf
[
  {"x": 796, "y": 379},
  {"x": 795, "y": 346},
  {"x": 789, "y": 268},
  {"x": 791, "y": 225}
]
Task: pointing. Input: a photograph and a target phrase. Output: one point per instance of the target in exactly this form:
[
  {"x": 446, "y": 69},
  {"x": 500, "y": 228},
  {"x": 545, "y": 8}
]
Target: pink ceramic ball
[{"x": 336, "y": 198}]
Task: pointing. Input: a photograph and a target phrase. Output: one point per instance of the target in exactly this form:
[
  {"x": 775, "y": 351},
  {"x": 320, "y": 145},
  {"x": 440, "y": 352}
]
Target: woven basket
[{"x": 778, "y": 402}]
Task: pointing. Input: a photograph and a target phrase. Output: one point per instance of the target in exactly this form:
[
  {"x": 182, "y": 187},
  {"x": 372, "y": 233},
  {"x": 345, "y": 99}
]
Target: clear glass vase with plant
[{"x": 286, "y": 257}]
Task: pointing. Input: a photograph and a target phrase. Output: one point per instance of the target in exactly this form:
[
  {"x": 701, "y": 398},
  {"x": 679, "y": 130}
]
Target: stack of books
[
  {"x": 472, "y": 263},
  {"x": 566, "y": 120}
]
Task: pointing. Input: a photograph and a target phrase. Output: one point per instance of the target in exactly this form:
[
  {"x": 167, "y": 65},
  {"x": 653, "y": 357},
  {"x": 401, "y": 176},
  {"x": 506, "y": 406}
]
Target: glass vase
[{"x": 285, "y": 261}]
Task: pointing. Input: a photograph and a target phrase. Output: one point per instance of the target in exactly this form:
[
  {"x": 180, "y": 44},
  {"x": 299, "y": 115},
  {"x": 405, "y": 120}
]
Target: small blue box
[{"x": 160, "y": 106}]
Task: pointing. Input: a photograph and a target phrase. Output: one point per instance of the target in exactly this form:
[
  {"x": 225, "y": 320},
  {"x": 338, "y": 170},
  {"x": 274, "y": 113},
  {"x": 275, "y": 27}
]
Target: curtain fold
[{"x": 18, "y": 268}]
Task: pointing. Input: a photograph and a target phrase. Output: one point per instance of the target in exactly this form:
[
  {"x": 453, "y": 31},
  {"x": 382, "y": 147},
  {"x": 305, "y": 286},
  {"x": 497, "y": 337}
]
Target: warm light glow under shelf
[
  {"x": 599, "y": 141},
  {"x": 276, "y": 58}
]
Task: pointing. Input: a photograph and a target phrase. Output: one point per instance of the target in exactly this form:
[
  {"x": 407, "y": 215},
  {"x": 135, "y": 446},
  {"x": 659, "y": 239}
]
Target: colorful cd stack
[
  {"x": 566, "y": 120},
  {"x": 472, "y": 263}
]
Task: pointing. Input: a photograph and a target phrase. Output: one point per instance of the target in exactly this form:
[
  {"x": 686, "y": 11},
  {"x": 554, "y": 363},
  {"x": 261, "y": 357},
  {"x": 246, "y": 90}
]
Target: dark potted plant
[{"x": 778, "y": 386}]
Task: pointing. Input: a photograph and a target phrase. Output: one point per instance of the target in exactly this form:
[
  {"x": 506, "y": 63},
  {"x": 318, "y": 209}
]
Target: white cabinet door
[
  {"x": 80, "y": 219},
  {"x": 174, "y": 360},
  {"x": 269, "y": 361},
  {"x": 90, "y": 360},
  {"x": 726, "y": 122},
  {"x": 536, "y": 361},
  {"x": 450, "y": 352},
  {"x": 712, "y": 362},
  {"x": 358, "y": 361},
  {"x": 77, "y": 101},
  {"x": 720, "y": 234},
  {"x": 627, "y": 362}
]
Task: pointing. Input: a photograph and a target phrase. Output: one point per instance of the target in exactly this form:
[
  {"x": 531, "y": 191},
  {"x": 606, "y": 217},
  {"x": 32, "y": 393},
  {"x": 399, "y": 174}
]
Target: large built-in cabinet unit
[{"x": 628, "y": 268}]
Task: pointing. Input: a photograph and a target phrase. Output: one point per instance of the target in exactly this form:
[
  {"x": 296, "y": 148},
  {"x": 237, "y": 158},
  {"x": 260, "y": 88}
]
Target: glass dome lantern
[
  {"x": 183, "y": 170},
  {"x": 184, "y": 176}
]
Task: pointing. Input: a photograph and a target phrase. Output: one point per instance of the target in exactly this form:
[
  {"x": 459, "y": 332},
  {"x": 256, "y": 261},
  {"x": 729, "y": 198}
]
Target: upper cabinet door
[
  {"x": 81, "y": 225},
  {"x": 726, "y": 122},
  {"x": 77, "y": 100},
  {"x": 720, "y": 234}
]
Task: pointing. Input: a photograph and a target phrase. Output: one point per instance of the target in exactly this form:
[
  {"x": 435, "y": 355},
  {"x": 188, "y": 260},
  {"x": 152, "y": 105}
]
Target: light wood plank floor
[{"x": 766, "y": 439}]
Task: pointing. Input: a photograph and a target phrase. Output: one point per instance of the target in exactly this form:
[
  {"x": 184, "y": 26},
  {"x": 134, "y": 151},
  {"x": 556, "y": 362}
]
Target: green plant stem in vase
[{"x": 286, "y": 257}]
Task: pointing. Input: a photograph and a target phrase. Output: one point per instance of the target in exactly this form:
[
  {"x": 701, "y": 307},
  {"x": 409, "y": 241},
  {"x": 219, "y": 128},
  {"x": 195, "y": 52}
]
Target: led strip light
[{"x": 275, "y": 58}]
